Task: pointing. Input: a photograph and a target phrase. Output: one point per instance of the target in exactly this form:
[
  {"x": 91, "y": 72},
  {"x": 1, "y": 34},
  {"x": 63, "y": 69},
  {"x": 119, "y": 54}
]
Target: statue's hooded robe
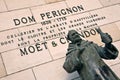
[{"x": 87, "y": 61}]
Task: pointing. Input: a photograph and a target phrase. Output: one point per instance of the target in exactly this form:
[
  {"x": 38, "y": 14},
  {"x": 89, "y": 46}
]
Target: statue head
[{"x": 73, "y": 36}]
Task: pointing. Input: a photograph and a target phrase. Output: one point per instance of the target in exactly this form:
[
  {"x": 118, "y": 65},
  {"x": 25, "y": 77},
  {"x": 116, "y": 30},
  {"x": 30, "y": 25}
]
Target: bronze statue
[{"x": 86, "y": 57}]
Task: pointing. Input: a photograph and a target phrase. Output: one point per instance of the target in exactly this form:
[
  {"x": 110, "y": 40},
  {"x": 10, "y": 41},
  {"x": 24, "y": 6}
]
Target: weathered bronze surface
[{"x": 86, "y": 57}]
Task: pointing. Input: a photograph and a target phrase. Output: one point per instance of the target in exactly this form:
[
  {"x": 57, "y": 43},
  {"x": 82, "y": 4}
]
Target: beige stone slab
[
  {"x": 109, "y": 2},
  {"x": 9, "y": 40},
  {"x": 2, "y": 6},
  {"x": 47, "y": 9},
  {"x": 87, "y": 4},
  {"x": 54, "y": 29},
  {"x": 58, "y": 47},
  {"x": 50, "y": 1},
  {"x": 113, "y": 30},
  {"x": 107, "y": 15},
  {"x": 60, "y": 0},
  {"x": 8, "y": 19},
  {"x": 2, "y": 68},
  {"x": 50, "y": 25},
  {"x": 17, "y": 4},
  {"x": 53, "y": 71},
  {"x": 118, "y": 24},
  {"x": 116, "y": 69},
  {"x": 17, "y": 60},
  {"x": 24, "y": 75},
  {"x": 41, "y": 32},
  {"x": 35, "y": 34},
  {"x": 79, "y": 19}
]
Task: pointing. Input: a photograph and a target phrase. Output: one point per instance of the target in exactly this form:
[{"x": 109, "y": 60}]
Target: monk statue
[{"x": 85, "y": 57}]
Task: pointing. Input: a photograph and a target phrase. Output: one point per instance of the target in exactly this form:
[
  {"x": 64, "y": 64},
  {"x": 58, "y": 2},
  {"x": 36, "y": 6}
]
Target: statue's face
[{"x": 74, "y": 36}]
